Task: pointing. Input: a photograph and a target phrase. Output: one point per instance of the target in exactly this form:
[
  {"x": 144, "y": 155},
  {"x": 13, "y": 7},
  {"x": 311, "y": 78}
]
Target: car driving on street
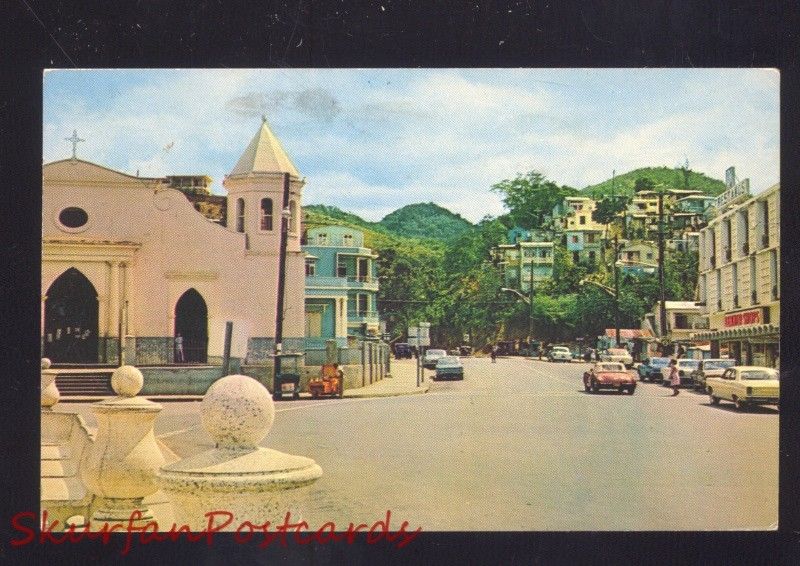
[
  {"x": 449, "y": 367},
  {"x": 713, "y": 367},
  {"x": 559, "y": 354},
  {"x": 650, "y": 369},
  {"x": 609, "y": 375},
  {"x": 620, "y": 355},
  {"x": 431, "y": 357},
  {"x": 402, "y": 350},
  {"x": 744, "y": 386}
]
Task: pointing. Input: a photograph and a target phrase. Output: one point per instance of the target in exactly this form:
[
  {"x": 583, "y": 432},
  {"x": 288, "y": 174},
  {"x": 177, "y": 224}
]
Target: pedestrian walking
[
  {"x": 179, "y": 348},
  {"x": 674, "y": 377},
  {"x": 493, "y": 354}
]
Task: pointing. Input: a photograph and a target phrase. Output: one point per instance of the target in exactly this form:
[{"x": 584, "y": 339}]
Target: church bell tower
[{"x": 255, "y": 195}]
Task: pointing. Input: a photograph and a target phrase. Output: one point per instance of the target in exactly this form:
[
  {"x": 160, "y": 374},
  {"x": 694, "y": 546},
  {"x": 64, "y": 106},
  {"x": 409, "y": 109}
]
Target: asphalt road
[{"x": 519, "y": 445}]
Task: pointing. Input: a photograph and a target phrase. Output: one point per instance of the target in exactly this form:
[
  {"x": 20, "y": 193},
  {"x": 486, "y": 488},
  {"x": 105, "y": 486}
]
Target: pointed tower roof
[{"x": 264, "y": 155}]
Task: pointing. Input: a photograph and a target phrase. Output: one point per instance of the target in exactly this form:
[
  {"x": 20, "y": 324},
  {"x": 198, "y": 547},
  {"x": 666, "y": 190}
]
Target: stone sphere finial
[
  {"x": 127, "y": 381},
  {"x": 237, "y": 411},
  {"x": 46, "y": 363}
]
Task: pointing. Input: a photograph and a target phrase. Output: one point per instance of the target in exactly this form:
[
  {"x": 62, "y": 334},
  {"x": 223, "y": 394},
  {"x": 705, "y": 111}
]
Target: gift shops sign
[{"x": 743, "y": 318}]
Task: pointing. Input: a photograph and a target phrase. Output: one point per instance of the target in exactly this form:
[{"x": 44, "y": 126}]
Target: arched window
[
  {"x": 266, "y": 214},
  {"x": 292, "y": 216},
  {"x": 240, "y": 215}
]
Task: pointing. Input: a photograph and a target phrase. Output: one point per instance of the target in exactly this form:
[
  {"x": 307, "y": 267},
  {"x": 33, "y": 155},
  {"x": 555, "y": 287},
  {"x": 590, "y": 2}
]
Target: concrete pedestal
[
  {"x": 252, "y": 483},
  {"x": 121, "y": 465}
]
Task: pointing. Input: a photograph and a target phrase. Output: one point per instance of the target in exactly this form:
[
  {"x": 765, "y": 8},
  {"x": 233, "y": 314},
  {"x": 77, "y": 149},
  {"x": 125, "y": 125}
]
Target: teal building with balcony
[{"x": 341, "y": 285}]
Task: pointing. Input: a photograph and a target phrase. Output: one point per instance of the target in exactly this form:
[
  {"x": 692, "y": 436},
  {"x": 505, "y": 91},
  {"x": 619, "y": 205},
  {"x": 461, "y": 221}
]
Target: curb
[
  {"x": 185, "y": 398},
  {"x": 415, "y": 391}
]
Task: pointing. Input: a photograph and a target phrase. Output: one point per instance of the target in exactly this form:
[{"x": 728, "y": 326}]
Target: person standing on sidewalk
[
  {"x": 674, "y": 377},
  {"x": 493, "y": 354}
]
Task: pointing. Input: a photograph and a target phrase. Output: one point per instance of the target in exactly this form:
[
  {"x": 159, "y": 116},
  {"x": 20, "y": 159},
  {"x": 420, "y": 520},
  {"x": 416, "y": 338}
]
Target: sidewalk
[{"x": 402, "y": 382}]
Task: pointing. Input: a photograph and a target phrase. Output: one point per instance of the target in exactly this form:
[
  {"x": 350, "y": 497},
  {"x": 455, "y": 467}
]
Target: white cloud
[{"x": 370, "y": 141}]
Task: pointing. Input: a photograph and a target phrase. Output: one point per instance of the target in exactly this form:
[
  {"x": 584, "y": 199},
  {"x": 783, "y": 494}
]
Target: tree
[
  {"x": 530, "y": 197},
  {"x": 643, "y": 184},
  {"x": 607, "y": 209}
]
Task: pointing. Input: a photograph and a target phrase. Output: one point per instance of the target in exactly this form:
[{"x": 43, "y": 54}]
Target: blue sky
[{"x": 372, "y": 140}]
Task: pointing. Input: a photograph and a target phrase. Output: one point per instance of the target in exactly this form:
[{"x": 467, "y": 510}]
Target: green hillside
[
  {"x": 672, "y": 178},
  {"x": 336, "y": 215},
  {"x": 426, "y": 220}
]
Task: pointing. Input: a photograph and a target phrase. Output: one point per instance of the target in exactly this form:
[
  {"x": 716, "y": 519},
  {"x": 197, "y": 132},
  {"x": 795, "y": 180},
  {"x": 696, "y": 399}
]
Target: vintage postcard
[{"x": 312, "y": 303}]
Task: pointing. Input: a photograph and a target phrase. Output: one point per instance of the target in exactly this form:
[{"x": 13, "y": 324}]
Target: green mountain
[
  {"x": 672, "y": 178},
  {"x": 427, "y": 221}
]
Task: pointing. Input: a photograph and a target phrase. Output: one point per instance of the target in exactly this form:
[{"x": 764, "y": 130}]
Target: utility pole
[
  {"x": 530, "y": 318},
  {"x": 662, "y": 296},
  {"x": 616, "y": 290},
  {"x": 281, "y": 283}
]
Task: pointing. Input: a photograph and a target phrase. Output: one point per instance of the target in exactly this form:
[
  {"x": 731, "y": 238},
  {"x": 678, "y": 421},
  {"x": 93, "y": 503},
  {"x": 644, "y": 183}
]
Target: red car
[{"x": 609, "y": 375}]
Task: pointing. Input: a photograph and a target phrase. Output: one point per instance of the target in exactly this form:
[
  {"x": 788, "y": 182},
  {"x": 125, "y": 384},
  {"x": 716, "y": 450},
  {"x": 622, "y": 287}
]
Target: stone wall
[{"x": 179, "y": 380}]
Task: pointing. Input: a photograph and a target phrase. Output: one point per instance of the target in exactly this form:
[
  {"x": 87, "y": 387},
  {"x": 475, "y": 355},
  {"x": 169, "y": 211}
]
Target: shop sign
[{"x": 743, "y": 318}]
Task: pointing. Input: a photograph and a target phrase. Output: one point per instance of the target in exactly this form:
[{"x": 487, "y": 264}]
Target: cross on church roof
[{"x": 74, "y": 139}]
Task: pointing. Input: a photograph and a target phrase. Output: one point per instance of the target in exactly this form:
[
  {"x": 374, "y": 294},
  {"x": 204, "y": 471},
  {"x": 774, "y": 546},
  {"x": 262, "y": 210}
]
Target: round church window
[{"x": 73, "y": 217}]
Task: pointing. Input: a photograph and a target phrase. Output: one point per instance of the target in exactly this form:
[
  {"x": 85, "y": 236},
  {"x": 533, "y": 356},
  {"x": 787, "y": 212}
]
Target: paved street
[{"x": 518, "y": 445}]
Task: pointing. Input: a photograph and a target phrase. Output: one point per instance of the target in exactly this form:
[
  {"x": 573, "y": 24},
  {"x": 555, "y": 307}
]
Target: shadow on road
[{"x": 752, "y": 409}]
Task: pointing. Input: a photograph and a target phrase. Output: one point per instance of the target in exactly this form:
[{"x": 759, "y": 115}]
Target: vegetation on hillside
[
  {"x": 669, "y": 177},
  {"x": 455, "y": 285},
  {"x": 425, "y": 220},
  {"x": 530, "y": 197}
]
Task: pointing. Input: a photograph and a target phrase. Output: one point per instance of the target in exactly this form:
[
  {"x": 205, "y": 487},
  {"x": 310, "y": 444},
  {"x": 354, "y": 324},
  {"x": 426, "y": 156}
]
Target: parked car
[
  {"x": 744, "y": 386},
  {"x": 449, "y": 367},
  {"x": 559, "y": 354},
  {"x": 431, "y": 357},
  {"x": 685, "y": 369},
  {"x": 712, "y": 367},
  {"x": 650, "y": 369},
  {"x": 402, "y": 350},
  {"x": 620, "y": 355},
  {"x": 609, "y": 375}
]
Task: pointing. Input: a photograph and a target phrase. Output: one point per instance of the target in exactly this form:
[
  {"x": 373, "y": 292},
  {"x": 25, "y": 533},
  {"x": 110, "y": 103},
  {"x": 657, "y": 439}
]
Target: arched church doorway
[
  {"x": 70, "y": 320},
  {"x": 191, "y": 328}
]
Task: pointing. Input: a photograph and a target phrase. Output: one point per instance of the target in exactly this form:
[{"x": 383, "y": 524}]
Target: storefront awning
[{"x": 756, "y": 331}]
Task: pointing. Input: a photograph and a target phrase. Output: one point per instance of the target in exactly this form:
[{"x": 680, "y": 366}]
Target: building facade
[
  {"x": 131, "y": 270},
  {"x": 528, "y": 254},
  {"x": 740, "y": 278},
  {"x": 581, "y": 235},
  {"x": 341, "y": 285}
]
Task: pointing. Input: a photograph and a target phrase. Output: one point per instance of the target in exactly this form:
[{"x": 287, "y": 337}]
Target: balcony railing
[
  {"x": 363, "y": 282},
  {"x": 323, "y": 281},
  {"x": 362, "y": 316}
]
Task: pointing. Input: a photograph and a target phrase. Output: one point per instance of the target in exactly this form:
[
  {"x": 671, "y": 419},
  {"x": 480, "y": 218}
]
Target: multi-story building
[
  {"x": 637, "y": 258},
  {"x": 523, "y": 259},
  {"x": 527, "y": 254},
  {"x": 341, "y": 285},
  {"x": 582, "y": 236},
  {"x": 740, "y": 276}
]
